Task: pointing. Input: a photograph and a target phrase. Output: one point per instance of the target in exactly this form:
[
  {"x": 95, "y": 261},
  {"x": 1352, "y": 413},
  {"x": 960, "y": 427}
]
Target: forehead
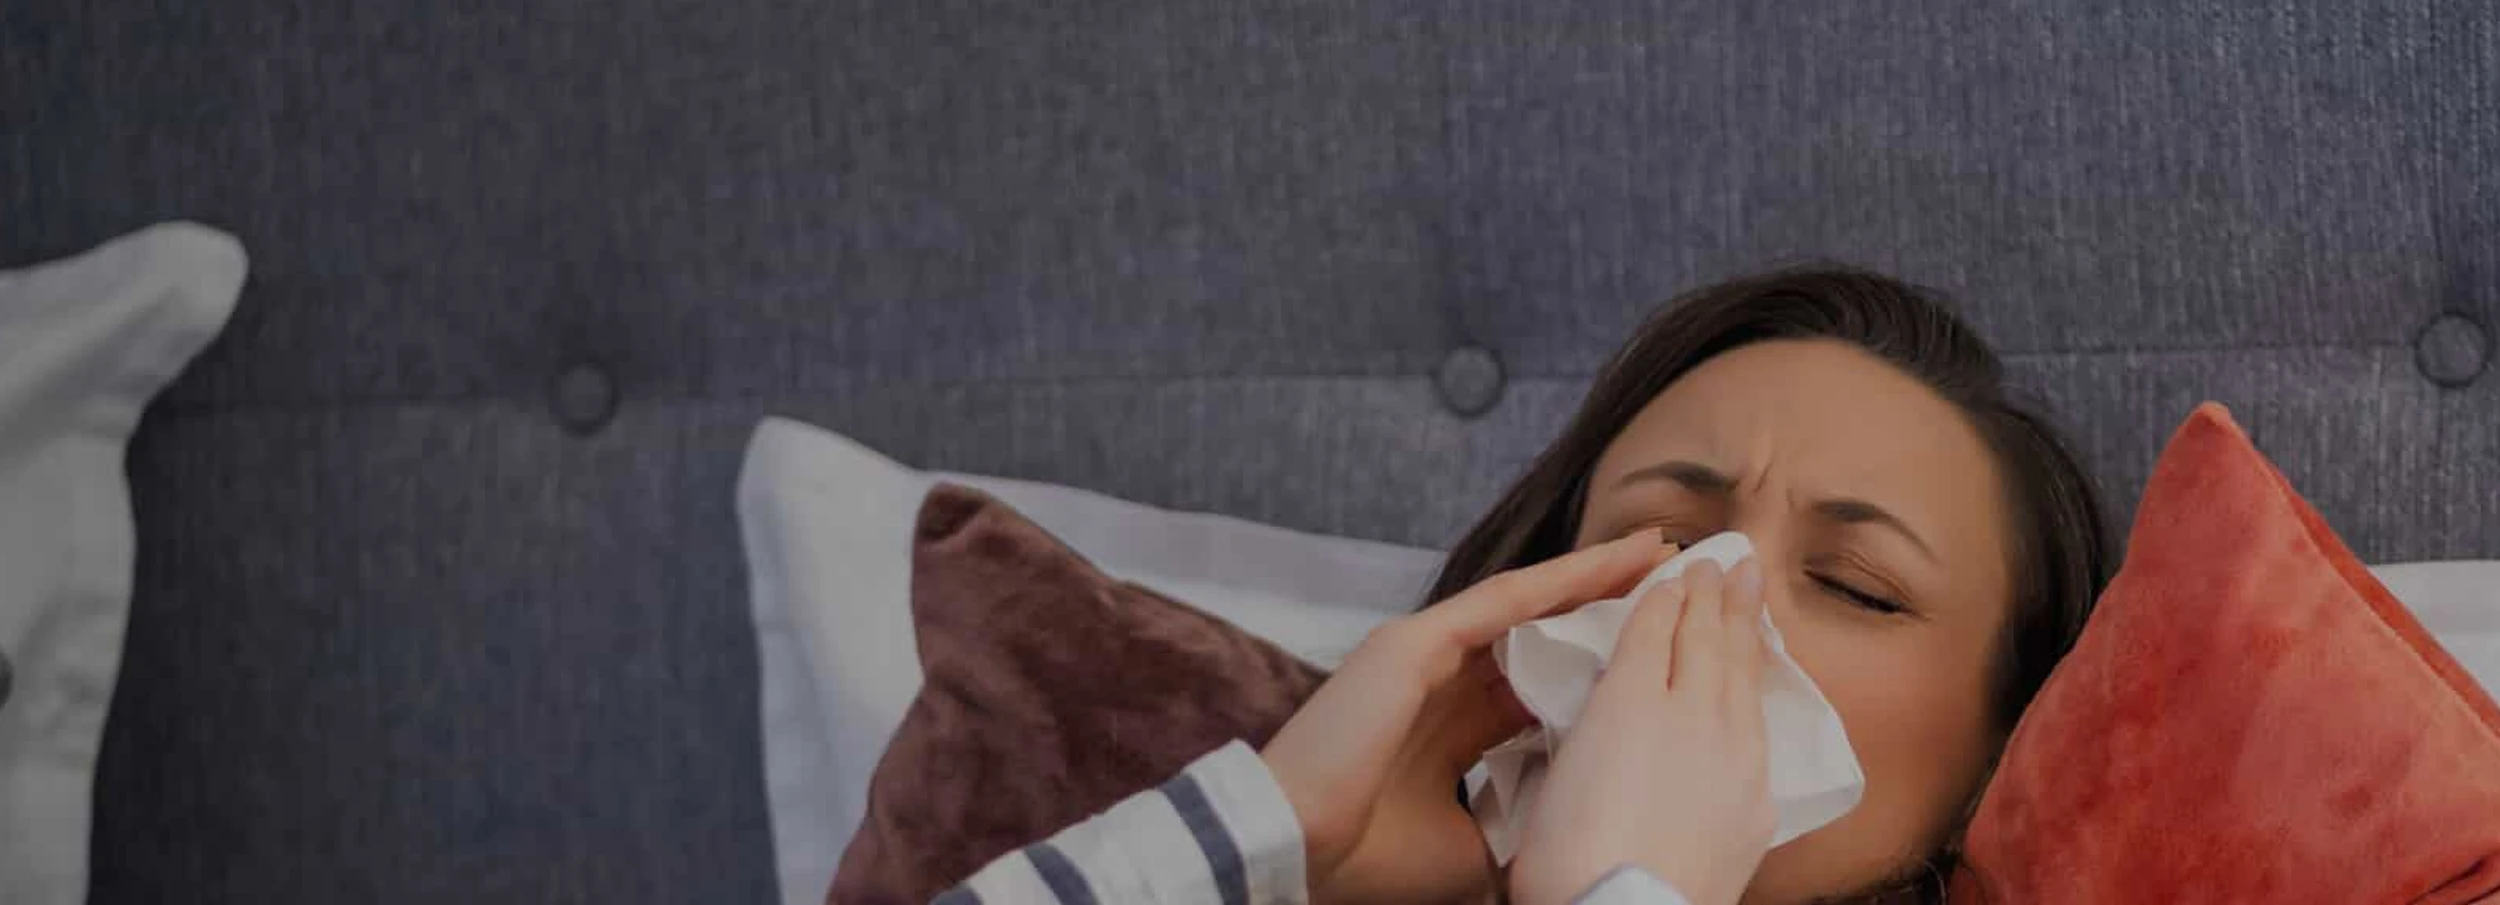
[{"x": 1821, "y": 419}]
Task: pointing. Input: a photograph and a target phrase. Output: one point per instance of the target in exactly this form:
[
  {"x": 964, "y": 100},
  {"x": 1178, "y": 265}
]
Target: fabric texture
[
  {"x": 828, "y": 525},
  {"x": 85, "y": 343},
  {"x": 1221, "y": 833},
  {"x": 414, "y": 625},
  {"x": 2249, "y": 717},
  {"x": 2459, "y": 602},
  {"x": 1051, "y": 693}
]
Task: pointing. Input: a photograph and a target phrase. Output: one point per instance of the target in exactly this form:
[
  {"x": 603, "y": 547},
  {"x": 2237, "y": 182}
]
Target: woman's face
[{"x": 1877, "y": 512}]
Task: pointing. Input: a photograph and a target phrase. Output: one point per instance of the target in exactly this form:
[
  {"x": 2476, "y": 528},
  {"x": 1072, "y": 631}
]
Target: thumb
[{"x": 1476, "y": 711}]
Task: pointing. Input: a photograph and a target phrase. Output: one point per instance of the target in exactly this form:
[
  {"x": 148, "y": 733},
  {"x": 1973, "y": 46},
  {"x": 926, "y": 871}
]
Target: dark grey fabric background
[{"x": 440, "y": 597}]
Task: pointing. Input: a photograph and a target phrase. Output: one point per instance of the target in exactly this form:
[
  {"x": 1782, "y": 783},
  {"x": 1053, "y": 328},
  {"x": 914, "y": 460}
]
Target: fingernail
[
  {"x": 1748, "y": 576},
  {"x": 1672, "y": 587}
]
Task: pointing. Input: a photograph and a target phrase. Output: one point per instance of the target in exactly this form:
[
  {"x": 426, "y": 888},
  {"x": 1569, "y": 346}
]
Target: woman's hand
[
  {"x": 1372, "y": 762},
  {"x": 1666, "y": 768}
]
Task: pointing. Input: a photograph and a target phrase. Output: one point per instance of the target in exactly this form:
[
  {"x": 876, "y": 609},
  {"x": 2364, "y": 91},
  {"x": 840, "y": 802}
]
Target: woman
[{"x": 1928, "y": 548}]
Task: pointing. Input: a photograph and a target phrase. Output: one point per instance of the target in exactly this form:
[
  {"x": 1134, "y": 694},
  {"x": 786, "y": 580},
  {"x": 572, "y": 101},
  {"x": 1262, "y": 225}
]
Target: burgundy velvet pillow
[
  {"x": 2249, "y": 717},
  {"x": 1051, "y": 693}
]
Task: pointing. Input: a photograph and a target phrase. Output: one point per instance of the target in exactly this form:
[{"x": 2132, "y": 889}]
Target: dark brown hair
[{"x": 2060, "y": 545}]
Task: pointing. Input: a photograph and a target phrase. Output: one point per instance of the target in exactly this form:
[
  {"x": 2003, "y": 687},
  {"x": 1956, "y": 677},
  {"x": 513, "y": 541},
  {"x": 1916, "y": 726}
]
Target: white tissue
[{"x": 1552, "y": 663}]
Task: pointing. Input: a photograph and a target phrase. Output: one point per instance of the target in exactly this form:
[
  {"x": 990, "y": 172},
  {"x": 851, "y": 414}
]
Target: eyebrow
[
  {"x": 1706, "y": 480},
  {"x": 1695, "y": 477},
  {"x": 1860, "y": 512}
]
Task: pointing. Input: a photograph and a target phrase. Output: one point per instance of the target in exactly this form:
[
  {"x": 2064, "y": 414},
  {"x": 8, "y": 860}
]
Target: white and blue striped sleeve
[{"x": 1220, "y": 832}]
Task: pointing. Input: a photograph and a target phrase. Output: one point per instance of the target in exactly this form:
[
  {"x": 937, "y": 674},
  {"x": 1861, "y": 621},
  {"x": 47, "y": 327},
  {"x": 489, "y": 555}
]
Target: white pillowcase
[
  {"x": 84, "y": 344},
  {"x": 827, "y": 525},
  {"x": 2459, "y": 602}
]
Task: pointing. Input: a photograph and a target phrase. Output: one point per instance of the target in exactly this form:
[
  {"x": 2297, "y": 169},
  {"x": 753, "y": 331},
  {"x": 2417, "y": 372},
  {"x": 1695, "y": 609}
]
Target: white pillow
[
  {"x": 2459, "y": 602},
  {"x": 84, "y": 344},
  {"x": 827, "y": 525}
]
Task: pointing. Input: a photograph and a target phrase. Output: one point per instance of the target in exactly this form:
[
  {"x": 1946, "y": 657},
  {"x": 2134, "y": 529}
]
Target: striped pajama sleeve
[{"x": 1220, "y": 833}]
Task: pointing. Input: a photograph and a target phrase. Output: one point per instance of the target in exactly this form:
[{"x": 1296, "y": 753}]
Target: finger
[
  {"x": 1700, "y": 660},
  {"x": 1745, "y": 645},
  {"x": 1495, "y": 605},
  {"x": 1458, "y": 704},
  {"x": 1472, "y": 714},
  {"x": 1645, "y": 649},
  {"x": 1361, "y": 716},
  {"x": 1745, "y": 589}
]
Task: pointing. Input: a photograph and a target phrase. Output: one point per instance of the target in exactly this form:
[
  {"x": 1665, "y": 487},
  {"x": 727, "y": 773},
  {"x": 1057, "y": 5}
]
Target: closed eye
[
  {"x": 1679, "y": 532},
  {"x": 1884, "y": 605}
]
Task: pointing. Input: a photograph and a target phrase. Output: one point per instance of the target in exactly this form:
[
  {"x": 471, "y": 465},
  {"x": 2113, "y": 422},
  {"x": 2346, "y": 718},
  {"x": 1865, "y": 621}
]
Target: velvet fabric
[
  {"x": 1051, "y": 692},
  {"x": 2248, "y": 717}
]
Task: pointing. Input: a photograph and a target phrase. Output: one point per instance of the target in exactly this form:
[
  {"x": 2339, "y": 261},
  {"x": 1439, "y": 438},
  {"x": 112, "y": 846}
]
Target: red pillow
[{"x": 2249, "y": 717}]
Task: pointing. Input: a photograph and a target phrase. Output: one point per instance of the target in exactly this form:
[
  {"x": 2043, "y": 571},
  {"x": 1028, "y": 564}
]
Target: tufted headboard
[{"x": 440, "y": 595}]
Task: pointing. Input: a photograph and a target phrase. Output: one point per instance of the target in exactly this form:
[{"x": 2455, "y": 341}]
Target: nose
[{"x": 1775, "y": 552}]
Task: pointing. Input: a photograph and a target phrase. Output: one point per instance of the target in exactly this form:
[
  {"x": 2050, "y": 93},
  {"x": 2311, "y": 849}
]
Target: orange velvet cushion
[{"x": 2249, "y": 717}]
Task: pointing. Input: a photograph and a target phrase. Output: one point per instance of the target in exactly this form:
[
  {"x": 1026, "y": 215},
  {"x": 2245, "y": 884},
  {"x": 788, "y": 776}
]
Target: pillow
[
  {"x": 827, "y": 525},
  {"x": 2460, "y": 603},
  {"x": 1053, "y": 691},
  {"x": 2249, "y": 717},
  {"x": 84, "y": 344}
]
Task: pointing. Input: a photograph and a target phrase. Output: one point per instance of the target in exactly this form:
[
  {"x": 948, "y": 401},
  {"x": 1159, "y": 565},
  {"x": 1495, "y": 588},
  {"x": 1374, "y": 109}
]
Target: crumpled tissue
[{"x": 1552, "y": 664}]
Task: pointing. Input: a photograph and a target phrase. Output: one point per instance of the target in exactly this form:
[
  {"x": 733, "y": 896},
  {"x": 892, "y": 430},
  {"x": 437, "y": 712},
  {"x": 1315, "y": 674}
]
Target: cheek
[
  {"x": 1913, "y": 694},
  {"x": 1913, "y": 699},
  {"x": 1915, "y": 708}
]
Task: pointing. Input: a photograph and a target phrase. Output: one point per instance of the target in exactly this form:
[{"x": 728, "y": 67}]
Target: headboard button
[
  {"x": 2452, "y": 350},
  {"x": 584, "y": 398},
  {"x": 1470, "y": 380}
]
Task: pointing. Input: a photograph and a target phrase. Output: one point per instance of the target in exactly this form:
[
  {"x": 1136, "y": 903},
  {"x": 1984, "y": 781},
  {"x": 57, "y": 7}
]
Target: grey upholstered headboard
[{"x": 440, "y": 597}]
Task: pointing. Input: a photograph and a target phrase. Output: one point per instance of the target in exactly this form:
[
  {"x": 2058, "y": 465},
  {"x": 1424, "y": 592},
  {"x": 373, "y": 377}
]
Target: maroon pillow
[{"x": 1051, "y": 693}]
